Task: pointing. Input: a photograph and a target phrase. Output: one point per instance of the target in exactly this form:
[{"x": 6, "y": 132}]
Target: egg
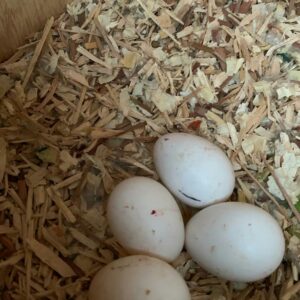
[
  {"x": 235, "y": 241},
  {"x": 145, "y": 218},
  {"x": 138, "y": 277},
  {"x": 196, "y": 171}
]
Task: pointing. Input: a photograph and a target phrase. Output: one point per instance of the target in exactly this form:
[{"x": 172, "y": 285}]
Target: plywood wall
[{"x": 19, "y": 18}]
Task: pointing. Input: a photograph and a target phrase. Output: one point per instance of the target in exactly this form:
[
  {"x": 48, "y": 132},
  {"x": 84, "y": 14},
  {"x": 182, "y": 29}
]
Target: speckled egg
[
  {"x": 196, "y": 171},
  {"x": 235, "y": 241},
  {"x": 145, "y": 218},
  {"x": 138, "y": 277}
]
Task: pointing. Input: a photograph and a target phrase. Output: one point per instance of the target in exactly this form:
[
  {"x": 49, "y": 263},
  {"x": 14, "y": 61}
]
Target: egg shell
[
  {"x": 145, "y": 218},
  {"x": 196, "y": 171},
  {"x": 138, "y": 277},
  {"x": 235, "y": 241}
]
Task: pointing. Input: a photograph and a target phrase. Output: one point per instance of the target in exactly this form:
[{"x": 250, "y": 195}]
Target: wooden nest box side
[{"x": 20, "y": 18}]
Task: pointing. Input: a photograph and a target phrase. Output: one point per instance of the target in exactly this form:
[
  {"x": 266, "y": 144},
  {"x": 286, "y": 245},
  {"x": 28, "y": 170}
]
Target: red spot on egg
[{"x": 156, "y": 213}]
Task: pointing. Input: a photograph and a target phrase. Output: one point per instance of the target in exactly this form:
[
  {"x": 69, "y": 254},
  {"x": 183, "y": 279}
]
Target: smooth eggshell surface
[
  {"x": 138, "y": 278},
  {"x": 235, "y": 241},
  {"x": 196, "y": 171},
  {"x": 145, "y": 218}
]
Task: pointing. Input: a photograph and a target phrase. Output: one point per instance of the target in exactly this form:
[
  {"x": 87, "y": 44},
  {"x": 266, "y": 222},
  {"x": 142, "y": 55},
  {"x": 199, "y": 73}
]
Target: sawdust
[{"x": 83, "y": 102}]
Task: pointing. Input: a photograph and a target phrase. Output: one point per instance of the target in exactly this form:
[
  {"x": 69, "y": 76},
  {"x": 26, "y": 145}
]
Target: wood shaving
[
  {"x": 83, "y": 102},
  {"x": 50, "y": 258}
]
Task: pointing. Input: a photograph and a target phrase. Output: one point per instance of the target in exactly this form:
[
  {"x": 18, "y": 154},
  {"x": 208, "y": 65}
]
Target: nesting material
[{"x": 82, "y": 103}]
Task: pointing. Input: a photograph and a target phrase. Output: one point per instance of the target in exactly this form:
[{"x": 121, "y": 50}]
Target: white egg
[
  {"x": 145, "y": 218},
  {"x": 196, "y": 171},
  {"x": 138, "y": 278},
  {"x": 235, "y": 241}
]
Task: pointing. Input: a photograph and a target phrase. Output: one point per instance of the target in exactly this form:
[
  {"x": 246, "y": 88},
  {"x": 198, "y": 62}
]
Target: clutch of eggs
[
  {"x": 145, "y": 218},
  {"x": 196, "y": 171},
  {"x": 138, "y": 277}
]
